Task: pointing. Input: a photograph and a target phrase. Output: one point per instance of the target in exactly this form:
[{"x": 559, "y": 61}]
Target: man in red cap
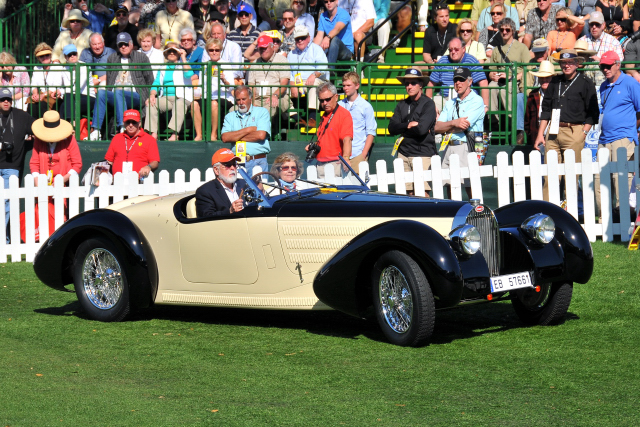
[
  {"x": 271, "y": 80},
  {"x": 133, "y": 150},
  {"x": 620, "y": 99},
  {"x": 221, "y": 196}
]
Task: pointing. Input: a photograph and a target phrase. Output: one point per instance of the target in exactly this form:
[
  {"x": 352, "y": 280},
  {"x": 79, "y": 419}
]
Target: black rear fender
[{"x": 343, "y": 282}]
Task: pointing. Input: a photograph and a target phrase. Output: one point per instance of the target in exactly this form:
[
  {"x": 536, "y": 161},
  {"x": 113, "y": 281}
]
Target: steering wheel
[{"x": 255, "y": 178}]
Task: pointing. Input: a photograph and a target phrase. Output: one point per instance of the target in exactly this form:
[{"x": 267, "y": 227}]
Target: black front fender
[
  {"x": 54, "y": 261},
  {"x": 343, "y": 283},
  {"x": 578, "y": 255}
]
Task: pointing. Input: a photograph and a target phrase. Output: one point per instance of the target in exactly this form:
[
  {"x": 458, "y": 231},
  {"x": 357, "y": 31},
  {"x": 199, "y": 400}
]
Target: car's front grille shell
[{"x": 485, "y": 221}]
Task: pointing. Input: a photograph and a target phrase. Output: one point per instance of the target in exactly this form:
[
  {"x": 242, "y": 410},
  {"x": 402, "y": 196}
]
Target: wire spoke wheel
[
  {"x": 547, "y": 307},
  {"x": 395, "y": 299},
  {"x": 102, "y": 278}
]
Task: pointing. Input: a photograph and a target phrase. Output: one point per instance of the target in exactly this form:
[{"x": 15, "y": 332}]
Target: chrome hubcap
[
  {"x": 395, "y": 299},
  {"x": 533, "y": 300},
  {"x": 102, "y": 278}
]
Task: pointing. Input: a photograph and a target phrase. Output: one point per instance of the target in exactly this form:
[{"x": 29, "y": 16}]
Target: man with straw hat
[
  {"x": 413, "y": 120},
  {"x": 532, "y": 111},
  {"x": 77, "y": 34},
  {"x": 570, "y": 109}
]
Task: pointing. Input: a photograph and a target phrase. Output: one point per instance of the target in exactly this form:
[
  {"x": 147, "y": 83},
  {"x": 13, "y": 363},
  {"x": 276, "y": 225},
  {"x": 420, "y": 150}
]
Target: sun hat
[
  {"x": 582, "y": 48},
  {"x": 216, "y": 16},
  {"x": 609, "y": 58},
  {"x": 50, "y": 128},
  {"x": 168, "y": 48},
  {"x": 75, "y": 15},
  {"x": 224, "y": 155},
  {"x": 569, "y": 55},
  {"x": 546, "y": 69},
  {"x": 44, "y": 52},
  {"x": 411, "y": 74},
  {"x": 300, "y": 31}
]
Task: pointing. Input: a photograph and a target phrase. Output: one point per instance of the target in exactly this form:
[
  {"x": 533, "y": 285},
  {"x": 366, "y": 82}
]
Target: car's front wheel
[
  {"x": 402, "y": 299},
  {"x": 100, "y": 280},
  {"x": 547, "y": 307}
]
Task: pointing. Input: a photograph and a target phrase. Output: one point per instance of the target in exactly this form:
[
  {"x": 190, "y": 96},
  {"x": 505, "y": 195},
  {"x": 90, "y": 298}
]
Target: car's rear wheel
[
  {"x": 100, "y": 280},
  {"x": 402, "y": 299},
  {"x": 547, "y": 307}
]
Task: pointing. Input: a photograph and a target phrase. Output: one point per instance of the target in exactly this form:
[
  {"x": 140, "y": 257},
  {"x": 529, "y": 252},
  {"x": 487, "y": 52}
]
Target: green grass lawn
[{"x": 204, "y": 366}]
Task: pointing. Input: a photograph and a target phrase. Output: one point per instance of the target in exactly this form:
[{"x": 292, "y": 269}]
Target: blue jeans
[
  {"x": 5, "y": 174},
  {"x": 520, "y": 122},
  {"x": 257, "y": 162},
  {"x": 337, "y": 51},
  {"x": 122, "y": 99}
]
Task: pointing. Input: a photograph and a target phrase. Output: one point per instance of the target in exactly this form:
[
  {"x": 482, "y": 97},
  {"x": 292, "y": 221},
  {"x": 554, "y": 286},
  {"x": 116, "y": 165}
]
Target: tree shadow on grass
[{"x": 451, "y": 325}]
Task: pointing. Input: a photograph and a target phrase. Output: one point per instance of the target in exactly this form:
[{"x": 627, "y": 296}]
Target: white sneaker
[{"x": 95, "y": 135}]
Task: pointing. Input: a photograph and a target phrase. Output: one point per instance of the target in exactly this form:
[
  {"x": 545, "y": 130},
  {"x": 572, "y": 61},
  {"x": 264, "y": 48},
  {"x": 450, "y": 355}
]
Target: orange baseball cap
[{"x": 224, "y": 155}]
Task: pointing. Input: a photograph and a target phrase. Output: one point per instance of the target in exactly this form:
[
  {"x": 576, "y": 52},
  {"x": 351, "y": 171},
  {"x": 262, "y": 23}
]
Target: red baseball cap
[
  {"x": 264, "y": 41},
  {"x": 224, "y": 155},
  {"x": 609, "y": 58},
  {"x": 131, "y": 115}
]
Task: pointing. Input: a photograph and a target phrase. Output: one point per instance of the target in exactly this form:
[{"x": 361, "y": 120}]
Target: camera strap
[
  {"x": 4, "y": 126},
  {"x": 324, "y": 129}
]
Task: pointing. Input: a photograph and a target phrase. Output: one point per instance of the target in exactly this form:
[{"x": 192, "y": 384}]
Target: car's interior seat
[{"x": 191, "y": 208}]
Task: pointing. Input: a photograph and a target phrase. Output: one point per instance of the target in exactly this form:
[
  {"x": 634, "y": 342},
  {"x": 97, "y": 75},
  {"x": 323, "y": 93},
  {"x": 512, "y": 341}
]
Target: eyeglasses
[
  {"x": 186, "y": 40},
  {"x": 558, "y": 20},
  {"x": 214, "y": 50},
  {"x": 466, "y": 31},
  {"x": 455, "y": 49},
  {"x": 131, "y": 123},
  {"x": 170, "y": 1},
  {"x": 123, "y": 45},
  {"x": 75, "y": 21},
  {"x": 410, "y": 83},
  {"x": 298, "y": 2},
  {"x": 229, "y": 165},
  {"x": 288, "y": 19},
  {"x": 505, "y": 30},
  {"x": 122, "y": 14},
  {"x": 330, "y": 1},
  {"x": 326, "y": 99},
  {"x": 48, "y": 55},
  {"x": 300, "y": 39},
  {"x": 6, "y": 100},
  {"x": 496, "y": 13},
  {"x": 568, "y": 63},
  {"x": 542, "y": 1},
  {"x": 262, "y": 49},
  {"x": 594, "y": 24},
  {"x": 286, "y": 168},
  {"x": 243, "y": 14},
  {"x": 605, "y": 66},
  {"x": 69, "y": 55}
]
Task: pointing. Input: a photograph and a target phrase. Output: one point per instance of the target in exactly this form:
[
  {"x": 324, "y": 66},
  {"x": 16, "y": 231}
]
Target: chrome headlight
[
  {"x": 540, "y": 227},
  {"x": 466, "y": 238}
]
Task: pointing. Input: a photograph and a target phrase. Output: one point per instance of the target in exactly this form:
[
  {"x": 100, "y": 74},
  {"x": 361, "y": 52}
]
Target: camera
[
  {"x": 314, "y": 149},
  {"x": 635, "y": 36},
  {"x": 7, "y": 147}
]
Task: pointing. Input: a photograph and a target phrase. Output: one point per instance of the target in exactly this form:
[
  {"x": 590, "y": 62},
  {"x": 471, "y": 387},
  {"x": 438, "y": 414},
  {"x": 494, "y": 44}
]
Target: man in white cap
[
  {"x": 303, "y": 59},
  {"x": 600, "y": 41}
]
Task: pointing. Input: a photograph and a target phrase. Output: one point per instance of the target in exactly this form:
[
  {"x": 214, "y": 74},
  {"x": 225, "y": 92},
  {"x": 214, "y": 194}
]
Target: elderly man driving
[{"x": 221, "y": 196}]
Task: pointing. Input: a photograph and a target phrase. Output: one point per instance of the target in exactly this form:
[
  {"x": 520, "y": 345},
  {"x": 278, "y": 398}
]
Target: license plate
[{"x": 510, "y": 282}]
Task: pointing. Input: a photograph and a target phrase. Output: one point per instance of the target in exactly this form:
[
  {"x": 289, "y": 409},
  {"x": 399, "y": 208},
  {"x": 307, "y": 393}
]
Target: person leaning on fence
[
  {"x": 175, "y": 91},
  {"x": 272, "y": 79},
  {"x": 122, "y": 26},
  {"x": 459, "y": 117},
  {"x": 251, "y": 125},
  {"x": 222, "y": 195},
  {"x": 15, "y": 127},
  {"x": 443, "y": 72},
  {"x": 16, "y": 79},
  {"x": 308, "y": 64},
  {"x": 78, "y": 35},
  {"x": 438, "y": 36},
  {"x": 413, "y": 119},
  {"x": 570, "y": 108},
  {"x": 532, "y": 111},
  {"x": 364, "y": 120},
  {"x": 133, "y": 150},
  {"x": 46, "y": 82},
  {"x": 335, "y": 132},
  {"x": 335, "y": 35},
  {"x": 131, "y": 85},
  {"x": 221, "y": 94},
  {"x": 172, "y": 20},
  {"x": 620, "y": 100},
  {"x": 86, "y": 94},
  {"x": 511, "y": 52}
]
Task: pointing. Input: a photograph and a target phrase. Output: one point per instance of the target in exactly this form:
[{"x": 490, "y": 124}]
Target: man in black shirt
[
  {"x": 413, "y": 119},
  {"x": 437, "y": 37},
  {"x": 123, "y": 26},
  {"x": 15, "y": 125},
  {"x": 570, "y": 107}
]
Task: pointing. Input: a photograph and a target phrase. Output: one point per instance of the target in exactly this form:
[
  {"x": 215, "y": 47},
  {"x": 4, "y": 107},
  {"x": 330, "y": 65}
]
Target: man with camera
[
  {"x": 335, "y": 132},
  {"x": 15, "y": 128},
  {"x": 460, "y": 119}
]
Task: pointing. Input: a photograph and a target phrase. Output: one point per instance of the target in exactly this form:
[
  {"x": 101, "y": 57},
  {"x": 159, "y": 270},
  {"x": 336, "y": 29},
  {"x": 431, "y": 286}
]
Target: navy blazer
[{"x": 212, "y": 200}]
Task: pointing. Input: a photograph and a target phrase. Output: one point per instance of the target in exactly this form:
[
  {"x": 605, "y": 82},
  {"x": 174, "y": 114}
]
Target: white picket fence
[{"x": 508, "y": 176}]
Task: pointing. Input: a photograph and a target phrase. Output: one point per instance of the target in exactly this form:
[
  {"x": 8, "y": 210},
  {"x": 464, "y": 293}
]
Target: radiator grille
[{"x": 487, "y": 225}]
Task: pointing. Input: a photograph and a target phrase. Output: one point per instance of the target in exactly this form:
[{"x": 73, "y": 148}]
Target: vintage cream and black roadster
[{"x": 391, "y": 257}]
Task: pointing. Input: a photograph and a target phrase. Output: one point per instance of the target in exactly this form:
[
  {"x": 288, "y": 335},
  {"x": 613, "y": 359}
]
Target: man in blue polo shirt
[
  {"x": 335, "y": 35},
  {"x": 250, "y": 124},
  {"x": 97, "y": 54},
  {"x": 620, "y": 99},
  {"x": 442, "y": 74}
]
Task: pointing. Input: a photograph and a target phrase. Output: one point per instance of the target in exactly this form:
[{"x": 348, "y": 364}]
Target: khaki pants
[
  {"x": 566, "y": 139},
  {"x": 613, "y": 147},
  {"x": 408, "y": 167},
  {"x": 502, "y": 93},
  {"x": 177, "y": 105},
  {"x": 355, "y": 162},
  {"x": 337, "y": 168},
  {"x": 284, "y": 104}
]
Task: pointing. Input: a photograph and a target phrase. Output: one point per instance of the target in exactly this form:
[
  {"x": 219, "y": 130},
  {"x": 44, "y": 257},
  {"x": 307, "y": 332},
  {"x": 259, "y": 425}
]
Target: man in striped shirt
[
  {"x": 442, "y": 74},
  {"x": 246, "y": 33}
]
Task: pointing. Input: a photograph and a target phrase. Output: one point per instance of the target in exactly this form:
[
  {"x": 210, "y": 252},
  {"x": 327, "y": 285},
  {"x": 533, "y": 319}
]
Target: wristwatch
[{"x": 586, "y": 132}]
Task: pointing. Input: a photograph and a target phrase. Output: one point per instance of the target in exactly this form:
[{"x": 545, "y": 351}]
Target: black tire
[
  {"x": 103, "y": 300},
  {"x": 402, "y": 324},
  {"x": 547, "y": 307}
]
